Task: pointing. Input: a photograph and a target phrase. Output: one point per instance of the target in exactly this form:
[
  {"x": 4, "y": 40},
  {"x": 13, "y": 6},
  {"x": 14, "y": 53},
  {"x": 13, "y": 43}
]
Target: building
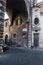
[
  {"x": 25, "y": 28},
  {"x": 6, "y": 31},
  {"x": 17, "y": 32},
  {"x": 37, "y": 24}
]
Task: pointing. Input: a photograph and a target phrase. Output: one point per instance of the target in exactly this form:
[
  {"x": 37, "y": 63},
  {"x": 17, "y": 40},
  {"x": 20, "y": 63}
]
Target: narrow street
[{"x": 21, "y": 56}]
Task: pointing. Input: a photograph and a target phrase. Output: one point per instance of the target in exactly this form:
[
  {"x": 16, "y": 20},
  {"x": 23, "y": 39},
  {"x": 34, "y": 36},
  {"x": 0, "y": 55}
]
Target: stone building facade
[
  {"x": 25, "y": 28},
  {"x": 19, "y": 28},
  {"x": 17, "y": 32},
  {"x": 37, "y": 24}
]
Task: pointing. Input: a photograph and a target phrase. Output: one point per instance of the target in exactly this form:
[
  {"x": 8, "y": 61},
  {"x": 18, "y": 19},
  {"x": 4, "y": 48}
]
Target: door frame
[{"x": 36, "y": 43}]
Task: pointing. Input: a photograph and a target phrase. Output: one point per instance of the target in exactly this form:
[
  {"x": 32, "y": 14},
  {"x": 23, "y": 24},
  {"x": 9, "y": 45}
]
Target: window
[
  {"x": 20, "y": 21},
  {"x": 36, "y": 10},
  {"x": 24, "y": 33},
  {"x": 36, "y": 21},
  {"x": 6, "y": 24},
  {"x": 14, "y": 35},
  {"x": 41, "y": 13},
  {"x": 16, "y": 22}
]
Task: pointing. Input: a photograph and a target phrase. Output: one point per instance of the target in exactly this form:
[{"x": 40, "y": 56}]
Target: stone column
[
  {"x": 2, "y": 10},
  {"x": 30, "y": 26}
]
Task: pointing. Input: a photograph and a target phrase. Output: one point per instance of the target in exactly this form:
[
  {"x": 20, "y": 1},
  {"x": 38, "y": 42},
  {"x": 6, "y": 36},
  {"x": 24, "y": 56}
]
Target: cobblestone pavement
[{"x": 22, "y": 56}]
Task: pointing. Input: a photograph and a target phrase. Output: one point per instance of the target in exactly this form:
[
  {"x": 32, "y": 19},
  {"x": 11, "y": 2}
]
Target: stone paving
[{"x": 22, "y": 56}]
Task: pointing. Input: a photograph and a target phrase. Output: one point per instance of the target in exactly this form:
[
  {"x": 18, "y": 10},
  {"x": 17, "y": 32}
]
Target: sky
[
  {"x": 39, "y": 0},
  {"x": 6, "y": 16}
]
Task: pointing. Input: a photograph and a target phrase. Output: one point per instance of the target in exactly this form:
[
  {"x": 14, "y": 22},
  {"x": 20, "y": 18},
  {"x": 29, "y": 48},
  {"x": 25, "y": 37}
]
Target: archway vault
[{"x": 15, "y": 8}]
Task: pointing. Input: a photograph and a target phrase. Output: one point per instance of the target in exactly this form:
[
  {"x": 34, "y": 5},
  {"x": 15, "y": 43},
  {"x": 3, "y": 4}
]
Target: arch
[{"x": 15, "y": 8}]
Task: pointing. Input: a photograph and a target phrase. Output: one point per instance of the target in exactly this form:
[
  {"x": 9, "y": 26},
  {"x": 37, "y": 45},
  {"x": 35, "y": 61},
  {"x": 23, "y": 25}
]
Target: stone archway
[
  {"x": 22, "y": 7},
  {"x": 15, "y": 8},
  {"x": 18, "y": 7}
]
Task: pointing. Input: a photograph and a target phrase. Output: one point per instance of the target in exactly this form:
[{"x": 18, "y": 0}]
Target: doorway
[
  {"x": 36, "y": 39},
  {"x": 6, "y": 39}
]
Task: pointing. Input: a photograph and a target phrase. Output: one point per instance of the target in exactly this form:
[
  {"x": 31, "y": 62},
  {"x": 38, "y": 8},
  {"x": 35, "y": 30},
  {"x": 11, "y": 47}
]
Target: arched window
[
  {"x": 6, "y": 24},
  {"x": 36, "y": 21},
  {"x": 21, "y": 21},
  {"x": 16, "y": 23}
]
